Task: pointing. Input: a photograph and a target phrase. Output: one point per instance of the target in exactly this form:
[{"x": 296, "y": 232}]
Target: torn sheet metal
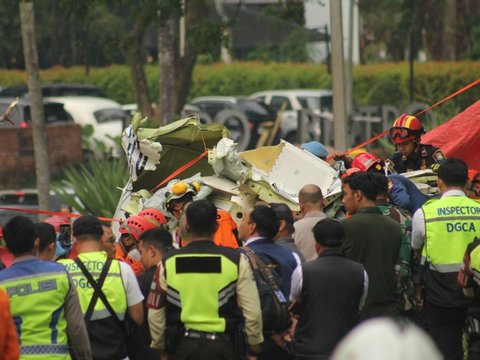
[
  {"x": 169, "y": 147},
  {"x": 288, "y": 168}
]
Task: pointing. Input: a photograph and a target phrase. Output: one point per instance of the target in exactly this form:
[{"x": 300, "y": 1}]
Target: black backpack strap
[
  {"x": 266, "y": 272},
  {"x": 97, "y": 290}
]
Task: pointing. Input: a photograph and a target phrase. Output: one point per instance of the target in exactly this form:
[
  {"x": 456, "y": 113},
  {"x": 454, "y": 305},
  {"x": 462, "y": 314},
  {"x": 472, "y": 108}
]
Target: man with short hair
[
  {"x": 373, "y": 240},
  {"x": 323, "y": 289},
  {"x": 47, "y": 241},
  {"x": 104, "y": 307},
  {"x": 108, "y": 241},
  {"x": 257, "y": 229},
  {"x": 285, "y": 229},
  {"x": 154, "y": 245},
  {"x": 43, "y": 301},
  {"x": 442, "y": 229},
  {"x": 205, "y": 295},
  {"x": 310, "y": 199}
]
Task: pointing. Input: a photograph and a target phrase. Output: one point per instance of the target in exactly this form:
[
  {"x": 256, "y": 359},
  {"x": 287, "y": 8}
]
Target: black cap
[{"x": 282, "y": 212}]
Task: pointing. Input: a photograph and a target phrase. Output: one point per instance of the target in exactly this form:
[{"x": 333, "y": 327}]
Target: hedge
[{"x": 374, "y": 84}]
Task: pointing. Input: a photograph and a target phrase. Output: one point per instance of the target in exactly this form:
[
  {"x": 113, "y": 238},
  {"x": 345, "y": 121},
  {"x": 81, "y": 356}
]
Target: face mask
[
  {"x": 61, "y": 250},
  {"x": 134, "y": 254}
]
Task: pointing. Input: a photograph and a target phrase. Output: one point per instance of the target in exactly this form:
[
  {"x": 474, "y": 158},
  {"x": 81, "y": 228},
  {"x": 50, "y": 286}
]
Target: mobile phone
[{"x": 64, "y": 237}]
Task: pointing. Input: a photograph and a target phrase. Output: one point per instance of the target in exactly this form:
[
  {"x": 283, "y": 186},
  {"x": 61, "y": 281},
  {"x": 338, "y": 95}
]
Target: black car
[
  {"x": 24, "y": 199},
  {"x": 20, "y": 115},
  {"x": 54, "y": 90},
  {"x": 243, "y": 117}
]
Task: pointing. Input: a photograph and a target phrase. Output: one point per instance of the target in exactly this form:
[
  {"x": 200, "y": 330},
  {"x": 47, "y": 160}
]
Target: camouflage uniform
[{"x": 407, "y": 264}]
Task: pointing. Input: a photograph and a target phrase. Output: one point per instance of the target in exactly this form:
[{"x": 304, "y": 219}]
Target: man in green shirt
[{"x": 373, "y": 240}]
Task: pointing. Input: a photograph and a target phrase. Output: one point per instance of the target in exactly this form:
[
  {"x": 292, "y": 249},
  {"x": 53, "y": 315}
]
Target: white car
[
  {"x": 105, "y": 116},
  {"x": 317, "y": 101}
]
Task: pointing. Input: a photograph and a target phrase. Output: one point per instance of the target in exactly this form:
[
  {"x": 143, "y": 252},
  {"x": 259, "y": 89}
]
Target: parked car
[
  {"x": 21, "y": 115},
  {"x": 54, "y": 90},
  {"x": 317, "y": 101},
  {"x": 105, "y": 116},
  {"x": 243, "y": 117},
  {"x": 24, "y": 199}
]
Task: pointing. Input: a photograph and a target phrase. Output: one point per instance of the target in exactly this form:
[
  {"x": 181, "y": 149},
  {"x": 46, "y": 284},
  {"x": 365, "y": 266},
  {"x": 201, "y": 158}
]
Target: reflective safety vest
[
  {"x": 112, "y": 287},
  {"x": 201, "y": 288},
  {"x": 37, "y": 291},
  {"x": 475, "y": 264},
  {"x": 451, "y": 223}
]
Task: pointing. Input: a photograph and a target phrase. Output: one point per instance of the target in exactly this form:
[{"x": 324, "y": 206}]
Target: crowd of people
[{"x": 279, "y": 285}]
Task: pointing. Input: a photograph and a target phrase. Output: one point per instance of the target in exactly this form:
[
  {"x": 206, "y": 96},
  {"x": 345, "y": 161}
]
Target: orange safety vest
[
  {"x": 9, "y": 347},
  {"x": 136, "y": 266},
  {"x": 225, "y": 235}
]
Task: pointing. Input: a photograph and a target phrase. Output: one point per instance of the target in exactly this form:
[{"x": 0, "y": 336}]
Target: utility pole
[
  {"x": 39, "y": 133},
  {"x": 349, "y": 65},
  {"x": 338, "y": 77}
]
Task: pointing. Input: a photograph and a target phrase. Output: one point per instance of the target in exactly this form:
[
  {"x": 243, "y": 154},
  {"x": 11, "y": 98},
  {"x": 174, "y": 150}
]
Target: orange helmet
[
  {"x": 135, "y": 226},
  {"x": 406, "y": 128},
  {"x": 153, "y": 215},
  {"x": 366, "y": 161}
]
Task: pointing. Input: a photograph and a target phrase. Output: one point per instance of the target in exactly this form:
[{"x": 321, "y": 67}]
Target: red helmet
[
  {"x": 56, "y": 221},
  {"x": 1, "y": 232},
  {"x": 153, "y": 215},
  {"x": 135, "y": 226},
  {"x": 350, "y": 172},
  {"x": 366, "y": 161},
  {"x": 406, "y": 128}
]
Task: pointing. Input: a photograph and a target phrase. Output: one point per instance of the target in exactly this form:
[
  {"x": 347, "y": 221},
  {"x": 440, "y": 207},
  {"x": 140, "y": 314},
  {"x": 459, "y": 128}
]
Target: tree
[{"x": 27, "y": 20}]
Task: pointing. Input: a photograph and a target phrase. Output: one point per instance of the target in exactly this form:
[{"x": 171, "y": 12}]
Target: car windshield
[
  {"x": 309, "y": 102},
  {"x": 254, "y": 109},
  {"x": 19, "y": 198},
  {"x": 108, "y": 115},
  {"x": 323, "y": 103},
  {"x": 53, "y": 113}
]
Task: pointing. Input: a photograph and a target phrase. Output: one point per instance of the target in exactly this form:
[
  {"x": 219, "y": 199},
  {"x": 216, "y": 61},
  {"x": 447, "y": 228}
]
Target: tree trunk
[
  {"x": 167, "y": 57},
  {"x": 27, "y": 19},
  {"x": 449, "y": 27},
  {"x": 194, "y": 11},
  {"x": 132, "y": 46}
]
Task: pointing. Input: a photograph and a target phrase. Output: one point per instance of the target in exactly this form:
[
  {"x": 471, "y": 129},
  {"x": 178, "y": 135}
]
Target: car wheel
[{"x": 237, "y": 124}]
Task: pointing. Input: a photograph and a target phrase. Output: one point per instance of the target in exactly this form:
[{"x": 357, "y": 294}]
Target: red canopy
[{"x": 459, "y": 137}]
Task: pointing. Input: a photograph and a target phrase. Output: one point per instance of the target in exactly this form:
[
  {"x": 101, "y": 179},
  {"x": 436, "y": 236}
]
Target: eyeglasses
[{"x": 111, "y": 240}]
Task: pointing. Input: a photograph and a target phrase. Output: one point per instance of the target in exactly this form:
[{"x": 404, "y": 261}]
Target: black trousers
[
  {"x": 445, "y": 326},
  {"x": 196, "y": 349}
]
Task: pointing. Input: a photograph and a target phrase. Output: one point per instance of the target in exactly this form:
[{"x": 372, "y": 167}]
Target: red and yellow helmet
[
  {"x": 406, "y": 128},
  {"x": 366, "y": 161}
]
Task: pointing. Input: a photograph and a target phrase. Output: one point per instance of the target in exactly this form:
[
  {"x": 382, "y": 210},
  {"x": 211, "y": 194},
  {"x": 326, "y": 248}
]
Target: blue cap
[{"x": 316, "y": 148}]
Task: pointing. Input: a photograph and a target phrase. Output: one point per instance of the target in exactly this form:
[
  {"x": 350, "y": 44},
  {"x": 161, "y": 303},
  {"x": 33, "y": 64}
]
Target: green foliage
[
  {"x": 292, "y": 49},
  {"x": 373, "y": 84},
  {"x": 96, "y": 186}
]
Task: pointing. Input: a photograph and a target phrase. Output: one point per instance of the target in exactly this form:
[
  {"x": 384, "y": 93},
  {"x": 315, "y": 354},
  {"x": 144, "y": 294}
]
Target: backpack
[{"x": 274, "y": 304}]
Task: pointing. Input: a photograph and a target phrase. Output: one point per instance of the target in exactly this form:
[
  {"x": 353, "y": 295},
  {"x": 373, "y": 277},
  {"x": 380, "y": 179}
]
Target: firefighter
[{"x": 411, "y": 154}]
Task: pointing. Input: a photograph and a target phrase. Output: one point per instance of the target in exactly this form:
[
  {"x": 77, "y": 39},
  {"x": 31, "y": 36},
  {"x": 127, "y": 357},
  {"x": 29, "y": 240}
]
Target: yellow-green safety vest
[
  {"x": 475, "y": 264},
  {"x": 113, "y": 287},
  {"x": 37, "y": 301},
  {"x": 200, "y": 295},
  {"x": 451, "y": 223}
]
